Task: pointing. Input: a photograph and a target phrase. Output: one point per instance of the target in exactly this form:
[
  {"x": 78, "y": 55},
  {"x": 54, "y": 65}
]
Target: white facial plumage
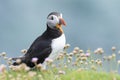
[{"x": 53, "y": 20}]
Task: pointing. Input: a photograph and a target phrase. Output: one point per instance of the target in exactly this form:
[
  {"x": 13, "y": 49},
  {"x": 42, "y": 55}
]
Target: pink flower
[
  {"x": 2, "y": 68},
  {"x": 87, "y": 54},
  {"x": 34, "y": 60},
  {"x": 61, "y": 72},
  {"x": 48, "y": 60}
]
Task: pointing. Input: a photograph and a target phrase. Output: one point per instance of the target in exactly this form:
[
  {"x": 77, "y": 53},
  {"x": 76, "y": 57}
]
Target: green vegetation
[
  {"x": 90, "y": 75},
  {"x": 76, "y": 65}
]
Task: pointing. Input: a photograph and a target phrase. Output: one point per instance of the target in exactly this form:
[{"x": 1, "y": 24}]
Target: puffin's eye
[{"x": 52, "y": 18}]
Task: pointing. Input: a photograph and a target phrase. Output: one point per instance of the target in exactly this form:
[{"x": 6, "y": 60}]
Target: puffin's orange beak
[{"x": 62, "y": 22}]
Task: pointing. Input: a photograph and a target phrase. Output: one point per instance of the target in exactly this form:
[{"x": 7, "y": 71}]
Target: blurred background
[{"x": 90, "y": 23}]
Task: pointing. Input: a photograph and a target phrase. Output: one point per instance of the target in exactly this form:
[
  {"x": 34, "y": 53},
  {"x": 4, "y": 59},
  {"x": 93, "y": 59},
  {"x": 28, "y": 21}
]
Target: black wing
[
  {"x": 39, "y": 45},
  {"x": 41, "y": 48}
]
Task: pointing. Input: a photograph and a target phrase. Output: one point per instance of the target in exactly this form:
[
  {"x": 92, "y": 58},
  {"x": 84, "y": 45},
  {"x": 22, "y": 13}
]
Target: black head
[{"x": 55, "y": 13}]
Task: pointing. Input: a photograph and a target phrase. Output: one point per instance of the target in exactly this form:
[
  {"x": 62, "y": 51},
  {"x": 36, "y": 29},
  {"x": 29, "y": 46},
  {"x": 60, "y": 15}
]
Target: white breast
[{"x": 57, "y": 46}]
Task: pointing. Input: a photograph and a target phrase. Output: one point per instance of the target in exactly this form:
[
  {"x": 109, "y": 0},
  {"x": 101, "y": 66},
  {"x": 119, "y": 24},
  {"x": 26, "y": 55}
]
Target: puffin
[{"x": 49, "y": 44}]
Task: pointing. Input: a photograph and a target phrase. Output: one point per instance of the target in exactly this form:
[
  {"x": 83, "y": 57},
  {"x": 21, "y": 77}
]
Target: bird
[{"x": 47, "y": 45}]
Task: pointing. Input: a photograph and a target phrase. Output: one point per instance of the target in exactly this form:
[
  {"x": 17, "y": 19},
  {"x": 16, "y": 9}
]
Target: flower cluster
[
  {"x": 77, "y": 59},
  {"x": 99, "y": 51}
]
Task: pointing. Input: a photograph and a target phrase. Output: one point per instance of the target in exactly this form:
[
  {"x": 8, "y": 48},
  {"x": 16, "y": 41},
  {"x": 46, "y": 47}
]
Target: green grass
[
  {"x": 90, "y": 75},
  {"x": 76, "y": 65},
  {"x": 70, "y": 75}
]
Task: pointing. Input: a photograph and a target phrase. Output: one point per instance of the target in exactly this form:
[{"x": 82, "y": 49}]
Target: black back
[{"x": 41, "y": 47}]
